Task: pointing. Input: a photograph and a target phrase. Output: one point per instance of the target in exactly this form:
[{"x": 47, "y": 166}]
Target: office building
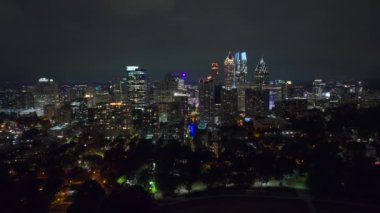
[
  {"x": 256, "y": 102},
  {"x": 137, "y": 90},
  {"x": 206, "y": 99},
  {"x": 113, "y": 118},
  {"x": 45, "y": 93},
  {"x": 229, "y": 69},
  {"x": 293, "y": 107},
  {"x": 318, "y": 89},
  {"x": 261, "y": 74},
  {"x": 229, "y": 106},
  {"x": 240, "y": 72}
]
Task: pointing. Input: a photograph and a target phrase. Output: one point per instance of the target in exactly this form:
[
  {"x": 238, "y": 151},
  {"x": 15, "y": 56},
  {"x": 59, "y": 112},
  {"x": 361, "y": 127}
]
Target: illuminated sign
[
  {"x": 44, "y": 80},
  {"x": 214, "y": 66},
  {"x": 184, "y": 74},
  {"x": 132, "y": 68},
  {"x": 247, "y": 119}
]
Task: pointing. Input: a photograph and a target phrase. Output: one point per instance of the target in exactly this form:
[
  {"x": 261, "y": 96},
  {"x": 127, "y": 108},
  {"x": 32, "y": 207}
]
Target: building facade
[{"x": 261, "y": 74}]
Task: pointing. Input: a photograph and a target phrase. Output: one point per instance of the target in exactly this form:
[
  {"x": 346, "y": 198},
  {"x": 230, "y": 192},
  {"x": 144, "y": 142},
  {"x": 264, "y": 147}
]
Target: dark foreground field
[{"x": 264, "y": 205}]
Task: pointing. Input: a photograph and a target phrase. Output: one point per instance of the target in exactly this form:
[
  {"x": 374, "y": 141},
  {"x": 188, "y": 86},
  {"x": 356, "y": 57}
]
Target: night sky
[{"x": 73, "y": 40}]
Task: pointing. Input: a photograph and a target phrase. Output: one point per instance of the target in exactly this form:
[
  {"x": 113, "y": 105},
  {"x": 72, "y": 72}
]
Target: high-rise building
[
  {"x": 229, "y": 68},
  {"x": 137, "y": 90},
  {"x": 206, "y": 99},
  {"x": 229, "y": 106},
  {"x": 217, "y": 110},
  {"x": 318, "y": 89},
  {"x": 113, "y": 118},
  {"x": 210, "y": 97},
  {"x": 261, "y": 74},
  {"x": 171, "y": 101},
  {"x": 27, "y": 100},
  {"x": 275, "y": 93},
  {"x": 256, "y": 102},
  {"x": 240, "y": 72},
  {"x": 68, "y": 93},
  {"x": 45, "y": 93},
  {"x": 178, "y": 109},
  {"x": 15, "y": 100},
  {"x": 173, "y": 82},
  {"x": 100, "y": 96},
  {"x": 241, "y": 89},
  {"x": 215, "y": 73},
  {"x": 291, "y": 107}
]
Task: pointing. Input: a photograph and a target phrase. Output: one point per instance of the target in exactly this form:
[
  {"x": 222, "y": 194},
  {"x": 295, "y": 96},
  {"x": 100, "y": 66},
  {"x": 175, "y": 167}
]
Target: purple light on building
[{"x": 183, "y": 74}]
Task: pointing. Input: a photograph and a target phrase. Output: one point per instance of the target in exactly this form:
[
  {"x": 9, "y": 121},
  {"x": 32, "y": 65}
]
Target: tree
[
  {"x": 215, "y": 175},
  {"x": 190, "y": 172},
  {"x": 326, "y": 170},
  {"x": 265, "y": 165},
  {"x": 132, "y": 199},
  {"x": 168, "y": 167},
  {"x": 88, "y": 198}
]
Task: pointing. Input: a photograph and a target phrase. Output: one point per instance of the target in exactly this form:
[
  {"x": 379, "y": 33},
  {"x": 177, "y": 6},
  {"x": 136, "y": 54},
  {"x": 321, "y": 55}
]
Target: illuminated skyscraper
[
  {"x": 137, "y": 90},
  {"x": 215, "y": 73},
  {"x": 229, "y": 106},
  {"x": 256, "y": 102},
  {"x": 229, "y": 67},
  {"x": 240, "y": 68},
  {"x": 261, "y": 74},
  {"x": 113, "y": 118},
  {"x": 12, "y": 99},
  {"x": 210, "y": 96},
  {"x": 216, "y": 94},
  {"x": 45, "y": 93},
  {"x": 206, "y": 99},
  {"x": 318, "y": 89}
]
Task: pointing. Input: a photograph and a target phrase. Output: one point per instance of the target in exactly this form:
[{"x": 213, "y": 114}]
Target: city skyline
[
  {"x": 167, "y": 106},
  {"x": 76, "y": 42}
]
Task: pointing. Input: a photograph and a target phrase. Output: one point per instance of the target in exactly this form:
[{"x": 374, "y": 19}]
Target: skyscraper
[
  {"x": 210, "y": 96},
  {"x": 261, "y": 74},
  {"x": 318, "y": 89},
  {"x": 229, "y": 67},
  {"x": 229, "y": 106},
  {"x": 215, "y": 73},
  {"x": 240, "y": 68},
  {"x": 170, "y": 95},
  {"x": 45, "y": 93},
  {"x": 206, "y": 99},
  {"x": 137, "y": 90},
  {"x": 256, "y": 102}
]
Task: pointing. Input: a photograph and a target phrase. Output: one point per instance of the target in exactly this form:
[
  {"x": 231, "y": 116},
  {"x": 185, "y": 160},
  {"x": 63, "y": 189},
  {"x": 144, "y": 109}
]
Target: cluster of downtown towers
[
  {"x": 170, "y": 108},
  {"x": 224, "y": 96},
  {"x": 220, "y": 97}
]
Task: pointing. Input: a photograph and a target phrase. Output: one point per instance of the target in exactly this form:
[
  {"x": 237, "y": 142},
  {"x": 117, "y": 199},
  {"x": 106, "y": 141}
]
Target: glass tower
[
  {"x": 261, "y": 74},
  {"x": 136, "y": 88}
]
